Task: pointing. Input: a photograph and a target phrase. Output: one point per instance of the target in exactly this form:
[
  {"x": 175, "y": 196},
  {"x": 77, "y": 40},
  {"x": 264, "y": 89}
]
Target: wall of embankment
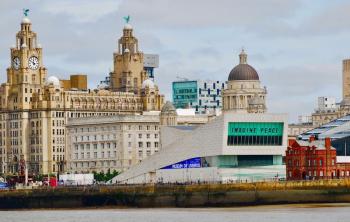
[{"x": 204, "y": 195}]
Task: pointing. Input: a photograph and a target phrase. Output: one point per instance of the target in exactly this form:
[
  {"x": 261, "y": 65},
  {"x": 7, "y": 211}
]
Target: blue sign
[
  {"x": 190, "y": 163},
  {"x": 3, "y": 185}
]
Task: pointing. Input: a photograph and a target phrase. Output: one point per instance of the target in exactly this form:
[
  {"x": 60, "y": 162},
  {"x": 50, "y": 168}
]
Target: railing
[{"x": 244, "y": 185}]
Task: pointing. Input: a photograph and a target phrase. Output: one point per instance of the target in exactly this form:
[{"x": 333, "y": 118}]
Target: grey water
[{"x": 279, "y": 213}]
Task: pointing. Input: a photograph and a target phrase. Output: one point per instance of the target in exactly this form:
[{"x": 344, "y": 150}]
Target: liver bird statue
[
  {"x": 127, "y": 18},
  {"x": 25, "y": 12}
]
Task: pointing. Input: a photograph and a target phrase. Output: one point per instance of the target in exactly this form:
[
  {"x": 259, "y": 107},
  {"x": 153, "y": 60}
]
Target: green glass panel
[{"x": 255, "y": 129}]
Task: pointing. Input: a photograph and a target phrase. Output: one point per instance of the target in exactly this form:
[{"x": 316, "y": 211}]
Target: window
[
  {"x": 148, "y": 144},
  {"x": 140, "y": 144},
  {"x": 155, "y": 144},
  {"x": 148, "y": 136},
  {"x": 140, "y": 136},
  {"x": 155, "y": 136}
]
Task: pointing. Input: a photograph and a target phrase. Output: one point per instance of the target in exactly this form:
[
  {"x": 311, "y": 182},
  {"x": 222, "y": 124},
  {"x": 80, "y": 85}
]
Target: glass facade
[
  {"x": 342, "y": 146},
  {"x": 184, "y": 93},
  {"x": 255, "y": 133},
  {"x": 258, "y": 160}
]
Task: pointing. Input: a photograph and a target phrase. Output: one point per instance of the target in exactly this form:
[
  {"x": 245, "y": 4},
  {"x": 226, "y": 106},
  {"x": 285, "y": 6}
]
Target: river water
[{"x": 279, "y": 213}]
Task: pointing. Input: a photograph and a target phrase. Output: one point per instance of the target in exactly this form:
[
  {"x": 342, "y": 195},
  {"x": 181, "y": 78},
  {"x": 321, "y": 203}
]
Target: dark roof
[{"x": 243, "y": 72}]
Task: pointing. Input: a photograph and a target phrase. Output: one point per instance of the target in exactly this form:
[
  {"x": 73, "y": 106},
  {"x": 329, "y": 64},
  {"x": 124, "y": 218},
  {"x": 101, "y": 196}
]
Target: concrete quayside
[{"x": 170, "y": 195}]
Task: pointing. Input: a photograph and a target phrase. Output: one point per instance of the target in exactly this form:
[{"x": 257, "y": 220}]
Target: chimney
[
  {"x": 312, "y": 138},
  {"x": 327, "y": 142}
]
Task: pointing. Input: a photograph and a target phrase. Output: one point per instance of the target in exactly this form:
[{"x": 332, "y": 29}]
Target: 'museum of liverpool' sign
[{"x": 255, "y": 129}]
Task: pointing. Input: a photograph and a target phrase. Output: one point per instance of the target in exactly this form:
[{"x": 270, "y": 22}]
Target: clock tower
[
  {"x": 128, "y": 74},
  {"x": 26, "y": 75},
  {"x": 25, "y": 81}
]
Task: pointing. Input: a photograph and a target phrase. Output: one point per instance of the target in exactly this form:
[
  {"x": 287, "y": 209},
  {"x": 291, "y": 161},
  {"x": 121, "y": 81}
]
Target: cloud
[
  {"x": 206, "y": 13},
  {"x": 295, "y": 45},
  {"x": 82, "y": 11}
]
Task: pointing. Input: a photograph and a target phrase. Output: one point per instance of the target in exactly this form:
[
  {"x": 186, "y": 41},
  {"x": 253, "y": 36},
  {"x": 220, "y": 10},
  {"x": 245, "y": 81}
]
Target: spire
[{"x": 243, "y": 57}]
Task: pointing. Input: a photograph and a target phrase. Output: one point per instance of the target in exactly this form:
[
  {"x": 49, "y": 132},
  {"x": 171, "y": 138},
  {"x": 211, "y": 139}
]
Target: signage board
[
  {"x": 190, "y": 163},
  {"x": 255, "y": 129}
]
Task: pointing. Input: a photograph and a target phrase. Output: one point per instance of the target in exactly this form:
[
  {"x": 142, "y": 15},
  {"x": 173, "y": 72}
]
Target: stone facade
[
  {"x": 244, "y": 92},
  {"x": 111, "y": 143},
  {"x": 34, "y": 109}
]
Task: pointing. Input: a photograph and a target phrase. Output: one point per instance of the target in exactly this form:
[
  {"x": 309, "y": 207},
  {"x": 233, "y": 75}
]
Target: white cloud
[
  {"x": 82, "y": 11},
  {"x": 296, "y": 47}
]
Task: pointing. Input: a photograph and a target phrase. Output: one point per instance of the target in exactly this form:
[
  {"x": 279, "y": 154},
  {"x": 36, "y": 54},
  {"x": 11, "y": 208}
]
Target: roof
[
  {"x": 319, "y": 144},
  {"x": 243, "y": 72},
  {"x": 335, "y": 129}
]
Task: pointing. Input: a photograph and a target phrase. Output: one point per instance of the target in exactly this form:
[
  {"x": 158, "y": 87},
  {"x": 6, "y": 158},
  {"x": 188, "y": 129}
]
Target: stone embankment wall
[{"x": 204, "y": 195}]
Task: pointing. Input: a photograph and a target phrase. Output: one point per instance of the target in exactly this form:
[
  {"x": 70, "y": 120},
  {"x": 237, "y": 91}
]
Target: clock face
[
  {"x": 33, "y": 62},
  {"x": 16, "y": 63}
]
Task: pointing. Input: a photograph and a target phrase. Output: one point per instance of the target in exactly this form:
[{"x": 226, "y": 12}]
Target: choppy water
[{"x": 295, "y": 213}]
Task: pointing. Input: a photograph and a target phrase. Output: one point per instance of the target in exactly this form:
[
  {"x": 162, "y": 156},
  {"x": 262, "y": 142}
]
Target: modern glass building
[
  {"x": 185, "y": 93},
  {"x": 204, "y": 96},
  {"x": 233, "y": 146}
]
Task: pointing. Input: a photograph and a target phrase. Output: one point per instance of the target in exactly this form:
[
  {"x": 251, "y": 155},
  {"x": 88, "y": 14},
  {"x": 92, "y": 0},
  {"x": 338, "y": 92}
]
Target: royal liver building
[{"x": 35, "y": 108}]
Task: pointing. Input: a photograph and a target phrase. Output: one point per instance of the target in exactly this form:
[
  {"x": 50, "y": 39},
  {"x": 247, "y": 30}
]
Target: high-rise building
[
  {"x": 34, "y": 109},
  {"x": 204, "y": 96},
  {"x": 244, "y": 92},
  {"x": 346, "y": 78}
]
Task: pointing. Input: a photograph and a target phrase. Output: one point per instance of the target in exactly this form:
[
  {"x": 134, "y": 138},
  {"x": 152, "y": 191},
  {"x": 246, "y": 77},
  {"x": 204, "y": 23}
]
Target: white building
[
  {"x": 234, "y": 146},
  {"x": 327, "y": 103},
  {"x": 111, "y": 142}
]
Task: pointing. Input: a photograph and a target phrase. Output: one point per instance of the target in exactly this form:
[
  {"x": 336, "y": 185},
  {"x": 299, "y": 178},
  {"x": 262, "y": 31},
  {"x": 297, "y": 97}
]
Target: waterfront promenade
[{"x": 172, "y": 195}]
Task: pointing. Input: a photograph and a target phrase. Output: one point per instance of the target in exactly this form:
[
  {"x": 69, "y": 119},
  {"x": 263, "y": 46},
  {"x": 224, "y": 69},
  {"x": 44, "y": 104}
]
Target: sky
[{"x": 296, "y": 46}]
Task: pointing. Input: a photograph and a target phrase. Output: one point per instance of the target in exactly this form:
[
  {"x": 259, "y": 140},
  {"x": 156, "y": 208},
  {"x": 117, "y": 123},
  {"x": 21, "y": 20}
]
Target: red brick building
[{"x": 313, "y": 159}]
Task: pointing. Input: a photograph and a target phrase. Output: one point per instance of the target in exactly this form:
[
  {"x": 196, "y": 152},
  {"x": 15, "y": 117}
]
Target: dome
[
  {"x": 25, "y": 20},
  {"x": 53, "y": 80},
  {"x": 126, "y": 50},
  {"x": 148, "y": 83},
  {"x": 24, "y": 45},
  {"x": 243, "y": 71},
  {"x": 127, "y": 26},
  {"x": 168, "y": 107}
]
